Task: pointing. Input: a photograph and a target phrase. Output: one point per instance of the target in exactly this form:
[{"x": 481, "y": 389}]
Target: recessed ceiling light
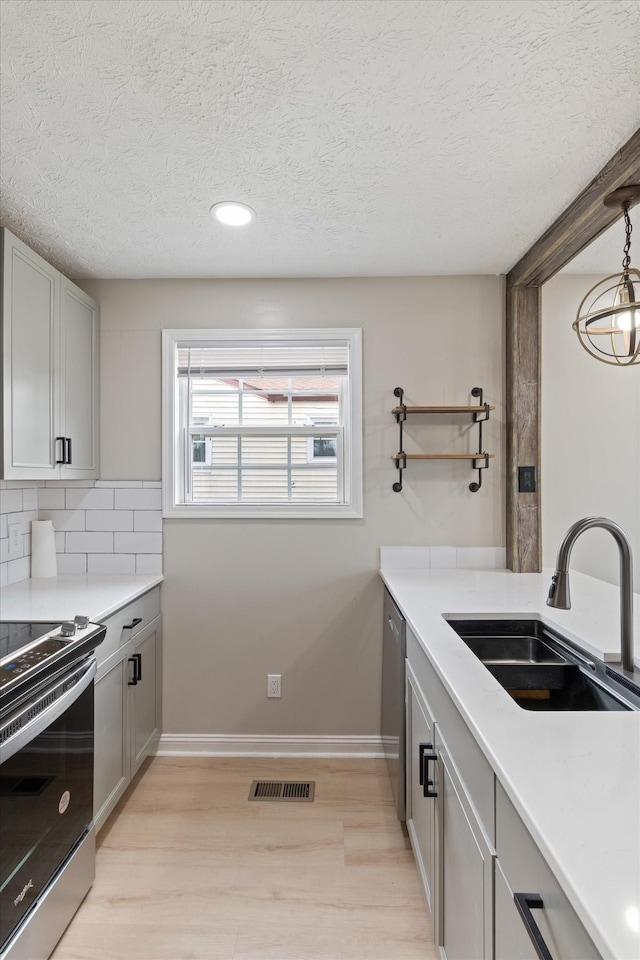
[{"x": 232, "y": 213}]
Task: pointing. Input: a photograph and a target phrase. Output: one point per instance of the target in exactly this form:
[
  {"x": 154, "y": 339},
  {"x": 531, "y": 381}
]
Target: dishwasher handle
[{"x": 393, "y": 627}]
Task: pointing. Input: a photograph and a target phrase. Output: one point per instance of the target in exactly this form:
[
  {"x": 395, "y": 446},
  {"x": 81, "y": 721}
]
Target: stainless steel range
[{"x": 47, "y": 841}]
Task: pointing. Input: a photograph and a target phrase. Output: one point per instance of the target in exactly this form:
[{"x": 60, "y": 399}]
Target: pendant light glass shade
[{"x": 608, "y": 320}]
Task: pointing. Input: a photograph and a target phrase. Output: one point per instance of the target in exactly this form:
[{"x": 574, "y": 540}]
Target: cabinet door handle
[
  {"x": 134, "y": 679},
  {"x": 68, "y": 450},
  {"x": 526, "y": 902},
  {"x": 423, "y": 764},
  {"x": 138, "y": 667},
  {"x": 134, "y": 623},
  {"x": 63, "y": 451}
]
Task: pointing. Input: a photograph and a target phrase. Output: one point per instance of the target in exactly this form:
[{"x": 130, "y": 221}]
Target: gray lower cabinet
[
  {"x": 128, "y": 699},
  {"x": 420, "y": 807},
  {"x": 512, "y": 942},
  {"x": 467, "y": 872},
  {"x": 521, "y": 869},
  {"x": 111, "y": 773},
  {"x": 453, "y": 850},
  {"x": 145, "y": 694},
  {"x": 474, "y": 854}
]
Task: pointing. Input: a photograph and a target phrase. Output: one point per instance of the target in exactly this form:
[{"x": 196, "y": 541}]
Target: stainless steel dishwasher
[{"x": 393, "y": 723}]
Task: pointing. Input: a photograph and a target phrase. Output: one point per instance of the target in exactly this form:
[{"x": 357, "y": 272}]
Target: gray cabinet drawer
[
  {"x": 469, "y": 759},
  {"x": 526, "y": 871},
  {"x": 122, "y": 626}
]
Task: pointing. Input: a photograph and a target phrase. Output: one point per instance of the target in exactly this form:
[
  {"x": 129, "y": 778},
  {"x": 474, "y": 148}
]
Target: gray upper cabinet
[{"x": 50, "y": 351}]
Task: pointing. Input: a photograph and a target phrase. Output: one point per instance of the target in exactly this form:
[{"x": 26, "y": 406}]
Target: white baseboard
[{"x": 240, "y": 745}]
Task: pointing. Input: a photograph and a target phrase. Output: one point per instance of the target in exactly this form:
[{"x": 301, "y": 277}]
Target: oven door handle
[{"x": 32, "y": 728}]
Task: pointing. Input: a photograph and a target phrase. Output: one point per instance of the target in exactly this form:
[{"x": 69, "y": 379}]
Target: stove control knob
[
  {"x": 67, "y": 629},
  {"x": 82, "y": 622}
]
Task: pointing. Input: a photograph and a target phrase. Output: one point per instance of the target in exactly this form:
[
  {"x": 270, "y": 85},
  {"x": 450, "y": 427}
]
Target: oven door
[{"x": 46, "y": 789}]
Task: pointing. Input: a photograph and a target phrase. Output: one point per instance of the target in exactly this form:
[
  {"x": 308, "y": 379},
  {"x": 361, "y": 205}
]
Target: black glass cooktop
[{"x": 15, "y": 636}]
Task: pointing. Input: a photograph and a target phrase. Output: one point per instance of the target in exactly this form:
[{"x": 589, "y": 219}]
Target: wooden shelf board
[
  {"x": 443, "y": 456},
  {"x": 441, "y": 409}
]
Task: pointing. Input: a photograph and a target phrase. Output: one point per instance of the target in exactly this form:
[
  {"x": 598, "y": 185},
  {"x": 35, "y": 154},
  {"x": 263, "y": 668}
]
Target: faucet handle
[{"x": 559, "y": 595}]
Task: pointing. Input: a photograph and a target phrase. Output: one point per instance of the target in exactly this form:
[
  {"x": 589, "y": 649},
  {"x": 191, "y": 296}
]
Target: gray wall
[
  {"x": 243, "y": 598},
  {"x": 590, "y": 438}
]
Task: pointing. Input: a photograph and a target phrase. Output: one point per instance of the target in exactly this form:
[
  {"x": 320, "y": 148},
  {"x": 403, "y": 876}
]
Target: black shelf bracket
[
  {"x": 401, "y": 459},
  {"x": 480, "y": 460}
]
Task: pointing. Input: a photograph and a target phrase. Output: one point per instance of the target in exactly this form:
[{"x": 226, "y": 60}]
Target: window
[
  {"x": 322, "y": 448},
  {"x": 262, "y": 423}
]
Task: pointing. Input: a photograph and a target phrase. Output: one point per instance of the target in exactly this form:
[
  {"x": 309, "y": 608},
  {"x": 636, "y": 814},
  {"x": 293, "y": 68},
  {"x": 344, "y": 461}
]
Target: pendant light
[{"x": 608, "y": 320}]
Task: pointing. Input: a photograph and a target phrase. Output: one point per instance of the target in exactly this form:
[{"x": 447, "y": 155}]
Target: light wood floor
[{"x": 188, "y": 869}]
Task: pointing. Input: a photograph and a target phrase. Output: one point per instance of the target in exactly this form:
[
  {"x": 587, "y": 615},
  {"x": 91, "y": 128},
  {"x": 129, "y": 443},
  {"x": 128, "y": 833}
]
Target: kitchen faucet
[{"x": 560, "y": 597}]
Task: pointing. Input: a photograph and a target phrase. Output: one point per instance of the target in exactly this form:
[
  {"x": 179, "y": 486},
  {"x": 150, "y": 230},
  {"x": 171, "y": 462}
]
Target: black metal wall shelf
[{"x": 480, "y": 414}]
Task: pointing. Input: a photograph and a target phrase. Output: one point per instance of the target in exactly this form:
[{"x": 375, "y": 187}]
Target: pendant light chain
[{"x": 626, "y": 263}]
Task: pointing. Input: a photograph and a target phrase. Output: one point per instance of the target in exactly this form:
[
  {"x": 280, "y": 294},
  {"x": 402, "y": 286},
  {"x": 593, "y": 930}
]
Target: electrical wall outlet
[
  {"x": 15, "y": 540},
  {"x": 273, "y": 685}
]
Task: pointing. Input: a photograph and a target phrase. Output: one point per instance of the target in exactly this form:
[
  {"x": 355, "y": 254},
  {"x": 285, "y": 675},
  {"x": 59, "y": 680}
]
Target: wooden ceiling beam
[{"x": 582, "y": 221}]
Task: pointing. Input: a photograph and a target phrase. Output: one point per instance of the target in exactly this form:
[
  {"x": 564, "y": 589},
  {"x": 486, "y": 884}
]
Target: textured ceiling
[{"x": 372, "y": 137}]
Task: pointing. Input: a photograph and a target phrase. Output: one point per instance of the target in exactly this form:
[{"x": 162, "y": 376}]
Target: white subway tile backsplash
[
  {"x": 64, "y": 519},
  {"x": 89, "y": 543},
  {"x": 89, "y": 499},
  {"x": 148, "y": 520},
  {"x": 443, "y": 558},
  {"x": 10, "y": 501},
  {"x": 149, "y": 564},
  {"x": 70, "y": 483},
  {"x": 111, "y": 563},
  {"x": 50, "y": 499},
  {"x": 87, "y": 517},
  {"x": 23, "y": 518},
  {"x": 69, "y": 563},
  {"x": 119, "y": 484},
  {"x": 30, "y": 499},
  {"x": 405, "y": 558},
  {"x": 109, "y": 520},
  {"x": 18, "y": 570},
  {"x": 137, "y": 543},
  {"x": 481, "y": 558},
  {"x": 138, "y": 499}
]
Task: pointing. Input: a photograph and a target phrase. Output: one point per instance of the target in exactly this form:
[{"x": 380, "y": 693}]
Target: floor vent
[{"x": 283, "y": 790}]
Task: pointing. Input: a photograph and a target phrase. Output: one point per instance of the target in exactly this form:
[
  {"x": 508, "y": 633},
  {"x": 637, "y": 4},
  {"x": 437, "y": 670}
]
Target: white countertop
[
  {"x": 61, "y": 598},
  {"x": 573, "y": 777}
]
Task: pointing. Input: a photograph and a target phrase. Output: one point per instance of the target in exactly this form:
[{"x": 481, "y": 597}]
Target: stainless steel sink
[
  {"x": 512, "y": 649},
  {"x": 542, "y": 670}
]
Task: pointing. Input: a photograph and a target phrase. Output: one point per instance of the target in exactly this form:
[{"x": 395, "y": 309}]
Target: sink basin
[
  {"x": 512, "y": 649},
  {"x": 542, "y": 670}
]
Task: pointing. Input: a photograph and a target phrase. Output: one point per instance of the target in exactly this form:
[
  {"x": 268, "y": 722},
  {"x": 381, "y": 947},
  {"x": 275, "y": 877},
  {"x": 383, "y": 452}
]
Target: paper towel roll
[{"x": 43, "y": 549}]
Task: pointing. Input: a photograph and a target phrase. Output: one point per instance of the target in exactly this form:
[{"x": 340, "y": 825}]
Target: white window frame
[{"x": 350, "y": 480}]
